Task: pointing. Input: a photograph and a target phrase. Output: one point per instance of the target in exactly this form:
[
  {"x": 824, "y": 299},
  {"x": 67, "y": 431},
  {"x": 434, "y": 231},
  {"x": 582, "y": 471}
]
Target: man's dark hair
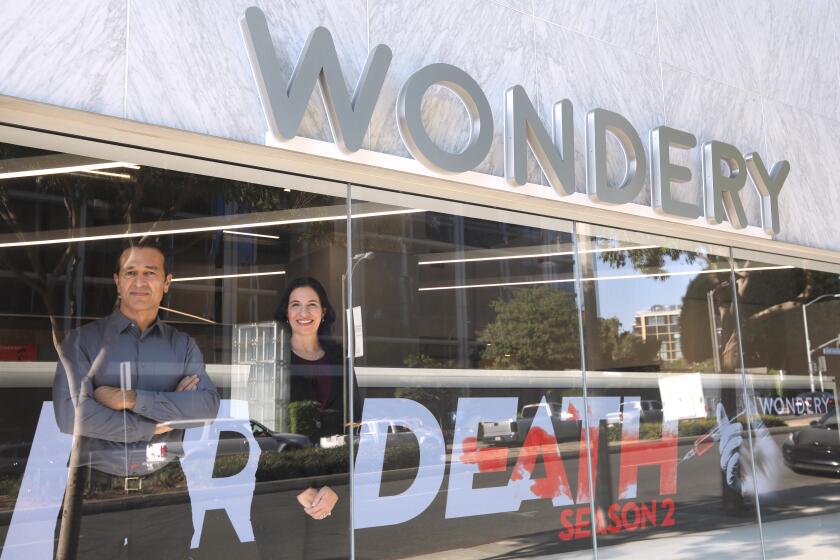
[{"x": 142, "y": 243}]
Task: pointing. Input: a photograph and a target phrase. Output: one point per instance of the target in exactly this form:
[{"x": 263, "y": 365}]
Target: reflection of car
[
  {"x": 816, "y": 447},
  {"x": 498, "y": 432},
  {"x": 649, "y": 411},
  {"x": 515, "y": 431},
  {"x": 397, "y": 434},
  {"x": 13, "y": 457},
  {"x": 231, "y": 441}
]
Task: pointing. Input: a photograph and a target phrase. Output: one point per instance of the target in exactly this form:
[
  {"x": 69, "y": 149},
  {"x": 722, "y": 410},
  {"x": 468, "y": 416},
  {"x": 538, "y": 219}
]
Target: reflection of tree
[
  {"x": 44, "y": 268},
  {"x": 438, "y": 401},
  {"x": 149, "y": 196},
  {"x": 694, "y": 319},
  {"x": 134, "y": 201},
  {"x": 41, "y": 272},
  {"x": 770, "y": 302},
  {"x": 537, "y": 328},
  {"x": 623, "y": 349},
  {"x": 771, "y": 319},
  {"x": 650, "y": 260},
  {"x": 53, "y": 272},
  {"x": 86, "y": 200},
  {"x": 248, "y": 197},
  {"x": 694, "y": 316}
]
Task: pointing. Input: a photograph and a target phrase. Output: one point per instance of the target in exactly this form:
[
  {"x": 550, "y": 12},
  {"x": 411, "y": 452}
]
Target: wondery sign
[{"x": 724, "y": 168}]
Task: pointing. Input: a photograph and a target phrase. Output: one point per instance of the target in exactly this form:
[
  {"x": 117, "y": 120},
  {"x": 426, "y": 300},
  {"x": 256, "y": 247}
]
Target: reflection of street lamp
[
  {"x": 710, "y": 303},
  {"x": 821, "y": 364},
  {"x": 807, "y": 338},
  {"x": 357, "y": 258}
]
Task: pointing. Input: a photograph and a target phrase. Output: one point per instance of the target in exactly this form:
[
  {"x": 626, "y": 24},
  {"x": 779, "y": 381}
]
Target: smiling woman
[
  {"x": 315, "y": 372},
  {"x": 315, "y": 357}
]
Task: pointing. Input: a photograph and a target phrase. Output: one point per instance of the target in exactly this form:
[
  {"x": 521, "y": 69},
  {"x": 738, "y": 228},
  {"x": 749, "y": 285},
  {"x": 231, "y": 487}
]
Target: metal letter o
[{"x": 414, "y": 134}]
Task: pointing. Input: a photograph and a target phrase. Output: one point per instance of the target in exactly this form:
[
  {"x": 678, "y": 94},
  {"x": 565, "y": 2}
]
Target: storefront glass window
[
  {"x": 147, "y": 338},
  {"x": 471, "y": 341},
  {"x": 789, "y": 313},
  {"x": 666, "y": 415},
  {"x": 288, "y": 367}
]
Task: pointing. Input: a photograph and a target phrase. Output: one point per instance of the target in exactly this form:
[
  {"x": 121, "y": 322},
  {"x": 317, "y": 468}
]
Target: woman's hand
[
  {"x": 318, "y": 504},
  {"x": 306, "y": 497}
]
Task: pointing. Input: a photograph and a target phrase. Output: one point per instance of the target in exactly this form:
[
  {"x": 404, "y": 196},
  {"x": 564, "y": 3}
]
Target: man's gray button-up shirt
[{"x": 112, "y": 351}]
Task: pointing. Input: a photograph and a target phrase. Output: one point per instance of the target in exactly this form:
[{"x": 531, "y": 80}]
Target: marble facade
[{"x": 761, "y": 74}]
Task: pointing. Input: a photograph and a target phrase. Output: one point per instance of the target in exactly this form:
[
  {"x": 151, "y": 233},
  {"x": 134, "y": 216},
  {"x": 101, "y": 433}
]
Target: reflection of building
[
  {"x": 661, "y": 322},
  {"x": 264, "y": 384}
]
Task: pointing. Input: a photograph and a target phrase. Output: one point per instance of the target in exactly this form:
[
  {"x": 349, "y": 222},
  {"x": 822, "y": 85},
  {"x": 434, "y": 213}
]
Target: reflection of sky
[{"x": 623, "y": 298}]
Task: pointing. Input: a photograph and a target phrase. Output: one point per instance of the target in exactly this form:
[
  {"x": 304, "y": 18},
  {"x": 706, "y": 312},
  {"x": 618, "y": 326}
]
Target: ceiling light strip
[
  {"x": 188, "y": 315},
  {"x": 109, "y": 174},
  {"x": 494, "y": 285},
  {"x": 599, "y": 278},
  {"x": 153, "y": 233},
  {"x": 538, "y": 255},
  {"x": 248, "y": 234},
  {"x": 218, "y": 276},
  {"x": 68, "y": 169}
]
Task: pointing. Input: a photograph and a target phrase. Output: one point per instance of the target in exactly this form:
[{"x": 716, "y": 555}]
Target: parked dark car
[
  {"x": 396, "y": 434},
  {"x": 515, "y": 430},
  {"x": 816, "y": 447},
  {"x": 231, "y": 442},
  {"x": 649, "y": 411},
  {"x": 13, "y": 456}
]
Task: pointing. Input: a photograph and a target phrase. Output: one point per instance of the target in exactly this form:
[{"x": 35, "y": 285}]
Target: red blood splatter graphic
[
  {"x": 626, "y": 478},
  {"x": 662, "y": 452},
  {"x": 555, "y": 483},
  {"x": 488, "y": 459},
  {"x": 583, "y": 476}
]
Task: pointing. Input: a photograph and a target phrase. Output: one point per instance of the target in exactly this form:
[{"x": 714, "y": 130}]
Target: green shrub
[
  {"x": 303, "y": 419},
  {"x": 686, "y": 428},
  {"x": 10, "y": 485},
  {"x": 299, "y": 463},
  {"x": 314, "y": 461}
]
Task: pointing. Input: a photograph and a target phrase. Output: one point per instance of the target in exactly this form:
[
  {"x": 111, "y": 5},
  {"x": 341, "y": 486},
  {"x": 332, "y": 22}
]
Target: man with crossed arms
[{"x": 120, "y": 380}]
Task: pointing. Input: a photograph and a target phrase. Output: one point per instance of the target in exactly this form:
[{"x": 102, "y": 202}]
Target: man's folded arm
[
  {"x": 95, "y": 421},
  {"x": 168, "y": 406}
]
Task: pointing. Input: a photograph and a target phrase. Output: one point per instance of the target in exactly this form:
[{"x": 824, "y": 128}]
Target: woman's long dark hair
[{"x": 282, "y": 313}]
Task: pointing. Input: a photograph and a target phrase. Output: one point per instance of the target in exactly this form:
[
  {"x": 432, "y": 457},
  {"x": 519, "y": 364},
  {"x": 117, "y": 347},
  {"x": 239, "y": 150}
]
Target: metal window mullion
[
  {"x": 582, "y": 350},
  {"x": 746, "y": 396},
  {"x": 350, "y": 360}
]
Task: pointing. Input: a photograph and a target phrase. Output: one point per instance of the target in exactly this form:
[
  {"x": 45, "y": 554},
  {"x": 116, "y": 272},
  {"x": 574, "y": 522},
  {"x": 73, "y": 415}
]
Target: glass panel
[
  {"x": 662, "y": 354},
  {"x": 789, "y": 312},
  {"x": 468, "y": 338},
  {"x": 190, "y": 425}
]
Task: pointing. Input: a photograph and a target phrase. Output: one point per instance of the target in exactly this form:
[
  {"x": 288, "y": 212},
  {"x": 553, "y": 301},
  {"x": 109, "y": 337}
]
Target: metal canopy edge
[{"x": 58, "y": 128}]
